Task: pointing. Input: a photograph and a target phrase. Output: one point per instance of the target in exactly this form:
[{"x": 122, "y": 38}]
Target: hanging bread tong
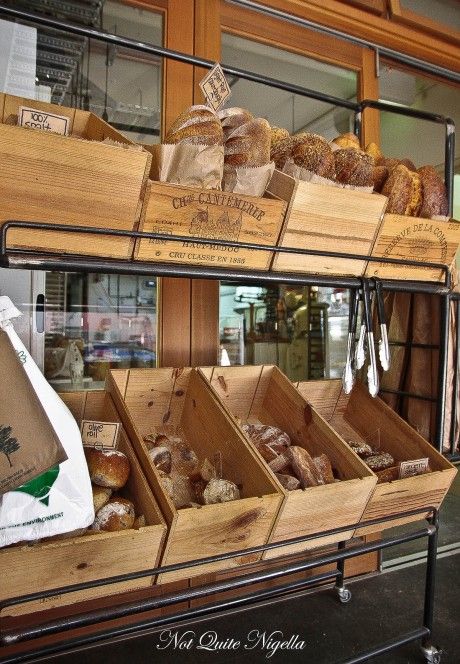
[
  {"x": 372, "y": 373},
  {"x": 384, "y": 347},
  {"x": 348, "y": 376},
  {"x": 360, "y": 353}
]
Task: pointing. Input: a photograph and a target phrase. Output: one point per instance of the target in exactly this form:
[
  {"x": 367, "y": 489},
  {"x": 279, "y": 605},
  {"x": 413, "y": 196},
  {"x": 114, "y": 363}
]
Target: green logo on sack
[{"x": 40, "y": 486}]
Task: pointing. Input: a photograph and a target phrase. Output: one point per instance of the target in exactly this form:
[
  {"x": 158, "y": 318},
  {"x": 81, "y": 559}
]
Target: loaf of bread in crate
[
  {"x": 198, "y": 125},
  {"x": 304, "y": 467},
  {"x": 380, "y": 461},
  {"x": 108, "y": 468},
  {"x": 354, "y": 167},
  {"x": 347, "y": 140},
  {"x": 248, "y": 144},
  {"x": 264, "y": 435},
  {"x": 313, "y": 152},
  {"x": 117, "y": 514},
  {"x": 404, "y": 191},
  {"x": 231, "y": 118},
  {"x": 277, "y": 134},
  {"x": 101, "y": 496},
  {"x": 434, "y": 193}
]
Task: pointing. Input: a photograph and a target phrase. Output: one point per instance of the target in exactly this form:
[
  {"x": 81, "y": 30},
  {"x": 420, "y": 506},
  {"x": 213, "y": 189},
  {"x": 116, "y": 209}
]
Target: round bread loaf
[
  {"x": 231, "y": 118},
  {"x": 380, "y": 461},
  {"x": 197, "y": 125},
  {"x": 277, "y": 134},
  {"x": 354, "y": 167},
  {"x": 280, "y": 152},
  {"x": 220, "y": 491},
  {"x": 101, "y": 496},
  {"x": 314, "y": 153},
  {"x": 118, "y": 514},
  {"x": 248, "y": 144},
  {"x": 348, "y": 140},
  {"x": 404, "y": 190},
  {"x": 109, "y": 468},
  {"x": 434, "y": 193}
]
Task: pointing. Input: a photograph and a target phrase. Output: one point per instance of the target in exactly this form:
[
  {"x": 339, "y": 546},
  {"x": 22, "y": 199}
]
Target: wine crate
[
  {"x": 65, "y": 560},
  {"x": 415, "y": 239},
  {"x": 149, "y": 400},
  {"x": 213, "y": 215},
  {"x": 361, "y": 418},
  {"x": 93, "y": 177},
  {"x": 263, "y": 394},
  {"x": 325, "y": 218}
]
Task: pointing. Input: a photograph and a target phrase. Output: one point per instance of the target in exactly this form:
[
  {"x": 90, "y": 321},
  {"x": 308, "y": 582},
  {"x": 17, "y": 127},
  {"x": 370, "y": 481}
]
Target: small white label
[
  {"x": 99, "y": 434},
  {"x": 215, "y": 87},
  {"x": 410, "y": 468},
  {"x": 30, "y": 117}
]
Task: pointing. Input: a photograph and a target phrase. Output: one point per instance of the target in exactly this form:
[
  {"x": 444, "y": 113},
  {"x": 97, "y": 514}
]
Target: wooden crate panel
[
  {"x": 180, "y": 399},
  {"x": 264, "y": 394},
  {"x": 361, "y": 418},
  {"x": 325, "y": 219},
  {"x": 58, "y": 563},
  {"x": 209, "y": 214},
  {"x": 76, "y": 180},
  {"x": 416, "y": 239}
]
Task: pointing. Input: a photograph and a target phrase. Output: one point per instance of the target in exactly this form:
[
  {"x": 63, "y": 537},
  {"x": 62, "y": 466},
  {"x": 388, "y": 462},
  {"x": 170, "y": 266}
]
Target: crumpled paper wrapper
[
  {"x": 248, "y": 180},
  {"x": 299, "y": 173},
  {"x": 188, "y": 165}
]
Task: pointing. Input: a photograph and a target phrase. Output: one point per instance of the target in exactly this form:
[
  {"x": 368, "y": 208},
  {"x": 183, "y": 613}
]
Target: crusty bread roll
[
  {"x": 353, "y": 167},
  {"x": 380, "y": 461},
  {"x": 348, "y": 140},
  {"x": 404, "y": 190},
  {"x": 179, "y": 488},
  {"x": 373, "y": 150},
  {"x": 323, "y": 466},
  {"x": 183, "y": 459},
  {"x": 197, "y": 125},
  {"x": 101, "y": 496},
  {"x": 434, "y": 193},
  {"x": 289, "y": 482},
  {"x": 220, "y": 491},
  {"x": 263, "y": 435},
  {"x": 277, "y": 134},
  {"x": 313, "y": 153},
  {"x": 161, "y": 458},
  {"x": 304, "y": 467},
  {"x": 231, "y": 118},
  {"x": 118, "y": 514},
  {"x": 379, "y": 177},
  {"x": 248, "y": 144},
  {"x": 109, "y": 468},
  {"x": 280, "y": 152}
]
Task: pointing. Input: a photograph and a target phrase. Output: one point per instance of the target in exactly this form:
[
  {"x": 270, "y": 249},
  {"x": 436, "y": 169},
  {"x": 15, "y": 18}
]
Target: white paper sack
[{"x": 67, "y": 504}]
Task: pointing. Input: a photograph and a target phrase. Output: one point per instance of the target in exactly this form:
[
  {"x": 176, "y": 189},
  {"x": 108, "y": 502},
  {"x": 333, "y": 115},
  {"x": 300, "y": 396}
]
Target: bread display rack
[{"x": 62, "y": 634}]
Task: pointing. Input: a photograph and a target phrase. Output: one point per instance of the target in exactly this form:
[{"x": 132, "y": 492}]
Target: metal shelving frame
[{"x": 13, "y": 258}]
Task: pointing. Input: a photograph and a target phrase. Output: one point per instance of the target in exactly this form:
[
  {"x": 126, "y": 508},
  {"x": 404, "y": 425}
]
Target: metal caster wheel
[
  {"x": 432, "y": 655},
  {"x": 344, "y": 595}
]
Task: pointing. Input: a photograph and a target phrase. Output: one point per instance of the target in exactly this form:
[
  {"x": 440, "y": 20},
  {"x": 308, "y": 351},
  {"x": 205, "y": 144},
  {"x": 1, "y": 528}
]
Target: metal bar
[
  {"x": 93, "y": 617},
  {"x": 442, "y": 371},
  {"x": 388, "y": 646},
  {"x": 454, "y": 408},
  {"x": 210, "y": 559},
  {"x": 428, "y": 606},
  {"x": 113, "y": 232},
  {"x": 409, "y": 395},
  {"x": 405, "y": 110},
  {"x": 384, "y": 51},
  {"x": 145, "y": 47}
]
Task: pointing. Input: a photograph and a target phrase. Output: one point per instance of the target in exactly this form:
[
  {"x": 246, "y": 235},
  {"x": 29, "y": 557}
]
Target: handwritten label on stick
[
  {"x": 31, "y": 117},
  {"x": 410, "y": 468},
  {"x": 215, "y": 87},
  {"x": 99, "y": 434}
]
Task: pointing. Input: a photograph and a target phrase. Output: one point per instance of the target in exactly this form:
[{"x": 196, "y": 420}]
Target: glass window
[{"x": 441, "y": 11}]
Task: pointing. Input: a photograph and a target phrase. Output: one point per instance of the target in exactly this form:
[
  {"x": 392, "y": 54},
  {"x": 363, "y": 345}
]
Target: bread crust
[{"x": 433, "y": 192}]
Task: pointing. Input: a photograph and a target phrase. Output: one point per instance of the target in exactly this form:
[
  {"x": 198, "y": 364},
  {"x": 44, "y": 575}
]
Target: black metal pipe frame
[
  {"x": 59, "y": 626},
  {"x": 442, "y": 371},
  {"x": 184, "y": 270},
  {"x": 454, "y": 407}
]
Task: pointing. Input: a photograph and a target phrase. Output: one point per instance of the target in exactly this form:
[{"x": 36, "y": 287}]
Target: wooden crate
[
  {"x": 147, "y": 399},
  {"x": 61, "y": 562},
  {"x": 416, "y": 239},
  {"x": 359, "y": 417},
  {"x": 77, "y": 180},
  {"x": 263, "y": 394},
  {"x": 208, "y": 214},
  {"x": 325, "y": 218}
]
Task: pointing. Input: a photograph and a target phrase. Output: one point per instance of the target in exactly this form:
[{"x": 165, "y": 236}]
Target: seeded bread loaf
[
  {"x": 313, "y": 153},
  {"x": 404, "y": 190},
  {"x": 354, "y": 167}
]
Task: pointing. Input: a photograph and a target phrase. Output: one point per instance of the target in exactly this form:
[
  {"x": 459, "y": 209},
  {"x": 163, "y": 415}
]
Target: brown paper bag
[{"x": 28, "y": 443}]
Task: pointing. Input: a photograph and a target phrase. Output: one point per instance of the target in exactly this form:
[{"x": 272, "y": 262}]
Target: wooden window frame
[{"x": 414, "y": 20}]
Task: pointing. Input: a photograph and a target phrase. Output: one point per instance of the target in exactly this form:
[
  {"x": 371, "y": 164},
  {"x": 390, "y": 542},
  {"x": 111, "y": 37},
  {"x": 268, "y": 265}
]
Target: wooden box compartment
[
  {"x": 416, "y": 239},
  {"x": 93, "y": 177},
  {"x": 360, "y": 417},
  {"x": 62, "y": 561},
  {"x": 213, "y": 215},
  {"x": 263, "y": 394},
  {"x": 149, "y": 399},
  {"x": 325, "y": 218}
]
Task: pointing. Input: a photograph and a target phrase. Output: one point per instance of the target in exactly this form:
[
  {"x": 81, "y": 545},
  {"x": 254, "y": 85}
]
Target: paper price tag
[
  {"x": 215, "y": 87},
  {"x": 99, "y": 434},
  {"x": 30, "y": 117},
  {"x": 410, "y": 468}
]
